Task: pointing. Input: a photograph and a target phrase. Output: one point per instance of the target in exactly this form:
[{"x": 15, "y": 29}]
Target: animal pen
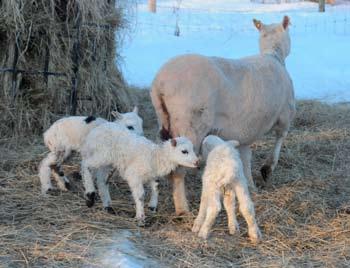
[{"x": 58, "y": 57}]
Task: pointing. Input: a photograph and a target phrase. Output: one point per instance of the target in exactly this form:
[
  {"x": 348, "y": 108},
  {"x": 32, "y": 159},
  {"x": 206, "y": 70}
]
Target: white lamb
[
  {"x": 224, "y": 176},
  {"x": 137, "y": 159},
  {"x": 67, "y": 135}
]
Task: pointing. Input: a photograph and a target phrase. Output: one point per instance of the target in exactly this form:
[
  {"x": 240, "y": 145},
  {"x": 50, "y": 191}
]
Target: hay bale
[{"x": 47, "y": 47}]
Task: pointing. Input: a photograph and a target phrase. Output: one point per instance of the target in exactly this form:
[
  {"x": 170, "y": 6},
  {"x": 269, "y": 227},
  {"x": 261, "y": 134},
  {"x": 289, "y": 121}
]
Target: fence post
[
  {"x": 321, "y": 5},
  {"x": 152, "y": 6},
  {"x": 75, "y": 68}
]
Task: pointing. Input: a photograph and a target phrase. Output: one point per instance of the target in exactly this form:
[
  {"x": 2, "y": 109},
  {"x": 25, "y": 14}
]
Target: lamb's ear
[
  {"x": 116, "y": 114},
  {"x": 258, "y": 24},
  {"x": 286, "y": 22},
  {"x": 234, "y": 143},
  {"x": 173, "y": 142},
  {"x": 136, "y": 110}
]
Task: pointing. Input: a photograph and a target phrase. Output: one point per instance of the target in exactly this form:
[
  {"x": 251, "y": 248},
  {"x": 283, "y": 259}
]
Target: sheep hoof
[
  {"x": 141, "y": 223},
  {"x": 68, "y": 185},
  {"x": 110, "y": 210},
  {"x": 153, "y": 209},
  {"x": 266, "y": 171},
  {"x": 77, "y": 176},
  {"x": 90, "y": 201}
]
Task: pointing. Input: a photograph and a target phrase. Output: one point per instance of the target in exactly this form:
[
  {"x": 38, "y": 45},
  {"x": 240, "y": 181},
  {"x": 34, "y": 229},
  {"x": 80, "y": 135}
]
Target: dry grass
[{"x": 303, "y": 211}]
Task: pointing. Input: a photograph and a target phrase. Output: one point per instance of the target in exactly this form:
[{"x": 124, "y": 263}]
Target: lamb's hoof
[
  {"x": 195, "y": 228},
  {"x": 141, "y": 222},
  {"x": 234, "y": 230},
  {"x": 77, "y": 176},
  {"x": 203, "y": 235},
  {"x": 110, "y": 210},
  {"x": 255, "y": 236},
  {"x": 182, "y": 213},
  {"x": 90, "y": 199},
  {"x": 153, "y": 209},
  {"x": 68, "y": 185},
  {"x": 266, "y": 171}
]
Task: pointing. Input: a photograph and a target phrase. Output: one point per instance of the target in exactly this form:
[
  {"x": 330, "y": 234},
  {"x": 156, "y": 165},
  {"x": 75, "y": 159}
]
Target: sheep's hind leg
[
  {"x": 153, "y": 202},
  {"x": 62, "y": 181},
  {"x": 45, "y": 172},
  {"x": 230, "y": 207},
  {"x": 198, "y": 222},
  {"x": 271, "y": 162},
  {"x": 213, "y": 209},
  {"x": 246, "y": 156}
]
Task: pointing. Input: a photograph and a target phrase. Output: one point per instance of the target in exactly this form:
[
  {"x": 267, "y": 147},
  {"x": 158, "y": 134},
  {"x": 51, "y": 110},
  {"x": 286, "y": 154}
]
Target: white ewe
[
  {"x": 137, "y": 159},
  {"x": 224, "y": 176},
  {"x": 67, "y": 135}
]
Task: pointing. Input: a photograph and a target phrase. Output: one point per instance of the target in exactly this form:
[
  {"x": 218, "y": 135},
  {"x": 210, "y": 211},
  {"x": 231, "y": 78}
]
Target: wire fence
[{"x": 169, "y": 20}]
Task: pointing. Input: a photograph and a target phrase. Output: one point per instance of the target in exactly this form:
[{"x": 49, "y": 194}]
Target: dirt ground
[{"x": 303, "y": 210}]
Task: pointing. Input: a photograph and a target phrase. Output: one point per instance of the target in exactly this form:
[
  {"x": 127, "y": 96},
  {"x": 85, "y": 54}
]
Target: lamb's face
[
  {"x": 274, "y": 37},
  {"x": 182, "y": 152},
  {"x": 131, "y": 121}
]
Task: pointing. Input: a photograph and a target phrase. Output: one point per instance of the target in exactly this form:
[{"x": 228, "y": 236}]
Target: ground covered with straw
[{"x": 303, "y": 210}]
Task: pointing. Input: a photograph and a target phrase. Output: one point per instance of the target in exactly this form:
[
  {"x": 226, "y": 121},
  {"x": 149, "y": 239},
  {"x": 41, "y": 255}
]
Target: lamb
[
  {"x": 240, "y": 99},
  {"x": 224, "y": 176},
  {"x": 137, "y": 159},
  {"x": 67, "y": 135}
]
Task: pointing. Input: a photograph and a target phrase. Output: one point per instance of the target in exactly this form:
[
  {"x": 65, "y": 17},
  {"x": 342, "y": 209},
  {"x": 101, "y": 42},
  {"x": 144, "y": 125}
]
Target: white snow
[
  {"x": 121, "y": 253},
  {"x": 319, "y": 63}
]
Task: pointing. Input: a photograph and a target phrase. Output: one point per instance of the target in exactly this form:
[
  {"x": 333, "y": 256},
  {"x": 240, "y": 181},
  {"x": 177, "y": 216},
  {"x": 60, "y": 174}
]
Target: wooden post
[
  {"x": 321, "y": 5},
  {"x": 152, "y": 6}
]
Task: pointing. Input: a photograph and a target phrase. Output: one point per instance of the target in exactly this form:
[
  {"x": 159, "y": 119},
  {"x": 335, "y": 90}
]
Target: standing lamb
[
  {"x": 67, "y": 135},
  {"x": 224, "y": 176},
  {"x": 242, "y": 99},
  {"x": 137, "y": 159}
]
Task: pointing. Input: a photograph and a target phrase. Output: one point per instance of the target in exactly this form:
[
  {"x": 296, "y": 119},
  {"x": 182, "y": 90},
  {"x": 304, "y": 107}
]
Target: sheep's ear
[
  {"x": 234, "y": 143},
  {"x": 116, "y": 114},
  {"x": 285, "y": 22},
  {"x": 173, "y": 142},
  {"x": 136, "y": 110},
  {"x": 258, "y": 24}
]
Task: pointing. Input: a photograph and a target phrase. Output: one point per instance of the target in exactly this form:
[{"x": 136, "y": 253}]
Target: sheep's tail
[{"x": 162, "y": 114}]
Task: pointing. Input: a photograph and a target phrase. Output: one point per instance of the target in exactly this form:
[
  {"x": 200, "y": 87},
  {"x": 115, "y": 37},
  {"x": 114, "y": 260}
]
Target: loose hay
[{"x": 302, "y": 211}]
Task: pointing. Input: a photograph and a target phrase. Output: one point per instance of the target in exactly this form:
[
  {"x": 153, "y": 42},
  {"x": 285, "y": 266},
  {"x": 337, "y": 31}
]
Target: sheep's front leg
[
  {"x": 213, "y": 209},
  {"x": 246, "y": 207},
  {"x": 153, "y": 202},
  {"x": 102, "y": 175},
  {"x": 90, "y": 191},
  {"x": 230, "y": 207},
  {"x": 138, "y": 195},
  {"x": 179, "y": 192}
]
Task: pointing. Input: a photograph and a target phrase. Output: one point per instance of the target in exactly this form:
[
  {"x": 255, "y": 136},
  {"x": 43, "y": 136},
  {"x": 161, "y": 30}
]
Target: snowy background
[{"x": 319, "y": 63}]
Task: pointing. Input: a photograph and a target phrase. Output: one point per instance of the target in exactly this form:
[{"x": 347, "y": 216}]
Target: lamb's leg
[
  {"x": 102, "y": 175},
  {"x": 45, "y": 172},
  {"x": 153, "y": 202},
  {"x": 90, "y": 191},
  {"x": 246, "y": 156},
  {"x": 179, "y": 193},
  {"x": 230, "y": 207},
  {"x": 198, "y": 222},
  {"x": 213, "y": 209},
  {"x": 271, "y": 162},
  {"x": 137, "y": 191},
  {"x": 62, "y": 181},
  {"x": 246, "y": 207}
]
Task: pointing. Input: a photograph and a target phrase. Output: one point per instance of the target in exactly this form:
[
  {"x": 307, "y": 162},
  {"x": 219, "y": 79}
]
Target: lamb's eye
[
  {"x": 184, "y": 151},
  {"x": 131, "y": 127}
]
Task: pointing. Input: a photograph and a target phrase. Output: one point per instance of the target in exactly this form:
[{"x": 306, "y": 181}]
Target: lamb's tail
[{"x": 162, "y": 114}]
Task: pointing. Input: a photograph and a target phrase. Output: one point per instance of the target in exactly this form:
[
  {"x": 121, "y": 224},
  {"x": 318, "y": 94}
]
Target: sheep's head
[
  {"x": 274, "y": 38},
  {"x": 182, "y": 153},
  {"x": 130, "y": 120}
]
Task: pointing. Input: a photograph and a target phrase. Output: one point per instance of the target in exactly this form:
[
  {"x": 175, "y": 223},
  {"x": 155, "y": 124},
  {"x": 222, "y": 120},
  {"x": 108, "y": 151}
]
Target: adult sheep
[{"x": 242, "y": 99}]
